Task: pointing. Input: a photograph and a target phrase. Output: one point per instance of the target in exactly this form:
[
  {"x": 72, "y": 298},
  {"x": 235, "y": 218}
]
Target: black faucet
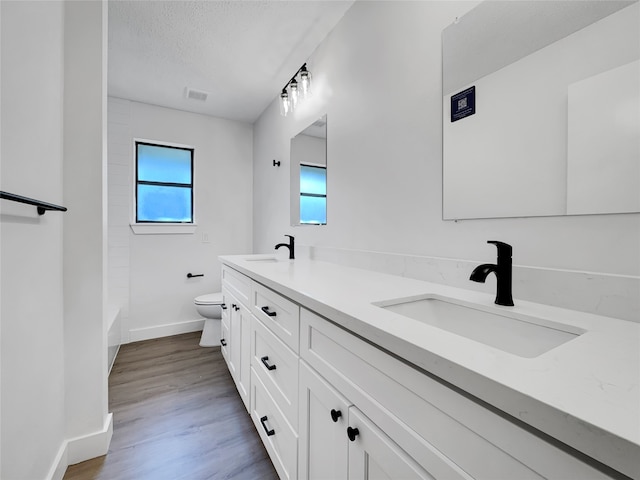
[
  {"x": 291, "y": 246},
  {"x": 503, "y": 273}
]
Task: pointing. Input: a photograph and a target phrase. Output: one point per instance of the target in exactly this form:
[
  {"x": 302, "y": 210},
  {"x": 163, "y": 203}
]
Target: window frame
[
  {"x": 146, "y": 227},
  {"x": 138, "y": 182},
  {"x": 316, "y": 195}
]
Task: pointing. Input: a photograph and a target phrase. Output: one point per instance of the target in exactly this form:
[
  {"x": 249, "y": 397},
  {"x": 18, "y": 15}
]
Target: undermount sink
[
  {"x": 261, "y": 259},
  {"x": 518, "y": 334}
]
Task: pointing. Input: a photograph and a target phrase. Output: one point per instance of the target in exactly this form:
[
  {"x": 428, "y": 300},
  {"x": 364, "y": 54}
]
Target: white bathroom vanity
[{"x": 349, "y": 373}]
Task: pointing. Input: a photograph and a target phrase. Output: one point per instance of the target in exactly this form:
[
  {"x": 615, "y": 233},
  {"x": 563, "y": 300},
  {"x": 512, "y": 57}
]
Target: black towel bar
[{"x": 40, "y": 205}]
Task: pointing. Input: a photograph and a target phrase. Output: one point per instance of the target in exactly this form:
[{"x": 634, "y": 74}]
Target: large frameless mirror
[
  {"x": 309, "y": 175},
  {"x": 541, "y": 109}
]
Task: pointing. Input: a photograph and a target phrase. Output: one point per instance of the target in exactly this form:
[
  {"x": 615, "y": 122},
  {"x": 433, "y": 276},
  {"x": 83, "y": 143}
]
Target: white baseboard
[
  {"x": 115, "y": 355},
  {"x": 138, "y": 334},
  {"x": 79, "y": 449},
  {"x": 89, "y": 446},
  {"x": 60, "y": 463}
]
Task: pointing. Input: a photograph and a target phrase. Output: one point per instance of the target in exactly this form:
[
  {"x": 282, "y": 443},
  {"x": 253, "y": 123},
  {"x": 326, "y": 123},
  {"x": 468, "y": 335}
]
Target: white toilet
[{"x": 209, "y": 307}]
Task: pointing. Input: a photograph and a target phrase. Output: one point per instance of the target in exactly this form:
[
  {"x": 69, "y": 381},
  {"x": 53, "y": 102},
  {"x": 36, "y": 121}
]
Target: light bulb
[
  {"x": 305, "y": 82},
  {"x": 285, "y": 106},
  {"x": 293, "y": 93}
]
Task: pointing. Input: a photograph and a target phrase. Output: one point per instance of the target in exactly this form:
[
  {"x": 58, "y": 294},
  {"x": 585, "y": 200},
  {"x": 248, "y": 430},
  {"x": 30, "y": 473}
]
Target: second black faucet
[
  {"x": 291, "y": 246},
  {"x": 502, "y": 269}
]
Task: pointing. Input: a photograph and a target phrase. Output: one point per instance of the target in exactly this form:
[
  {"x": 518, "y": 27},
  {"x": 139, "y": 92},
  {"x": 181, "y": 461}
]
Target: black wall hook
[{"x": 276, "y": 163}]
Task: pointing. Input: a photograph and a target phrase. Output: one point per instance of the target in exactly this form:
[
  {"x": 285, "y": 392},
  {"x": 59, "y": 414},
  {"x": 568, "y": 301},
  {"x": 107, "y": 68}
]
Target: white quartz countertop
[{"x": 584, "y": 392}]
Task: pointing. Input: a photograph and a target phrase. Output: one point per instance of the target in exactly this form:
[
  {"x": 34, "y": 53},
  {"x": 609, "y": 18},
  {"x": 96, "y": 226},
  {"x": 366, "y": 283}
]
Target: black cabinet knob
[
  {"x": 352, "y": 433},
  {"x": 335, "y": 414}
]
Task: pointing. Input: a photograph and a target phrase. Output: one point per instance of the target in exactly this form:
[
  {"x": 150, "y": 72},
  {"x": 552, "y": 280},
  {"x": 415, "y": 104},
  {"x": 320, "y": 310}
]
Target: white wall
[
  {"x": 32, "y": 345},
  {"x": 85, "y": 224},
  {"x": 378, "y": 78},
  {"x": 160, "y": 300},
  {"x": 119, "y": 197},
  {"x": 53, "y": 346}
]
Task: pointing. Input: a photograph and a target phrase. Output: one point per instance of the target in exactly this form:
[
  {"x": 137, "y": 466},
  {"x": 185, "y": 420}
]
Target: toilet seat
[{"x": 209, "y": 299}]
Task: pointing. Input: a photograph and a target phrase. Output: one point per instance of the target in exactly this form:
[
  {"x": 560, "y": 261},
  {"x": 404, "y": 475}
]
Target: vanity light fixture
[
  {"x": 296, "y": 91},
  {"x": 285, "y": 106},
  {"x": 305, "y": 81},
  {"x": 293, "y": 93}
]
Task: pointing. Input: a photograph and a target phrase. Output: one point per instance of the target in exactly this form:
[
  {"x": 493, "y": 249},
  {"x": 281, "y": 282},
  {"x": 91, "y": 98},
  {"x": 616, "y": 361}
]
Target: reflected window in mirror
[
  {"x": 313, "y": 195},
  {"x": 308, "y": 174}
]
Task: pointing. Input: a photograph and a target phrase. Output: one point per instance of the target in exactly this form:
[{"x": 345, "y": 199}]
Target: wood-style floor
[{"x": 177, "y": 415}]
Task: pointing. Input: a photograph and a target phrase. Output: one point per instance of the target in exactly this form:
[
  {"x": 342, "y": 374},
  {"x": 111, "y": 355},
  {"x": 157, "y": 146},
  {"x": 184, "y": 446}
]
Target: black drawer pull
[
  {"x": 223, "y": 306},
  {"x": 266, "y": 310},
  {"x": 352, "y": 433},
  {"x": 264, "y": 362},
  {"x": 263, "y": 421},
  {"x": 223, "y": 342},
  {"x": 335, "y": 414}
]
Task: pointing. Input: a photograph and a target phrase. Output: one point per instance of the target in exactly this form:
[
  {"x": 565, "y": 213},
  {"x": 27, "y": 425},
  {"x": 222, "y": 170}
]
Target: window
[
  {"x": 164, "y": 183},
  {"x": 313, "y": 195}
]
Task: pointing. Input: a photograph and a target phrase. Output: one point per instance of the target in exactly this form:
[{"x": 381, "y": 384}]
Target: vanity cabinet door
[
  {"x": 239, "y": 348},
  {"x": 225, "y": 327},
  {"x": 244, "y": 378},
  {"x": 374, "y": 456},
  {"x": 225, "y": 338},
  {"x": 323, "y": 449}
]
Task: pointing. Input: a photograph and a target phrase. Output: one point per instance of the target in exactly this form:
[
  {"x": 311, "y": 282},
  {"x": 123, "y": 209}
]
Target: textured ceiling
[{"x": 240, "y": 52}]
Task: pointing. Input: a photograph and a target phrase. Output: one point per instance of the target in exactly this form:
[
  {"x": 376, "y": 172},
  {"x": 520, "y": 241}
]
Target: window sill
[{"x": 163, "y": 228}]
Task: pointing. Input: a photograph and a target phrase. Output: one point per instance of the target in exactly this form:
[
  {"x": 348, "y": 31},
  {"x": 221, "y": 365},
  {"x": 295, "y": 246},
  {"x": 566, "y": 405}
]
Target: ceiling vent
[{"x": 198, "y": 95}]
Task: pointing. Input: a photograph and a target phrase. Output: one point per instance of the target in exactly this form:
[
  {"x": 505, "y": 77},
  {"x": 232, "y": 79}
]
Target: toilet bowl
[{"x": 208, "y": 306}]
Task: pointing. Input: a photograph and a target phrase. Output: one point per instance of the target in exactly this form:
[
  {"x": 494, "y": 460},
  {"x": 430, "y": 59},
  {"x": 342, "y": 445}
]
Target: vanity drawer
[
  {"x": 238, "y": 285},
  {"x": 441, "y": 425},
  {"x": 277, "y": 435},
  {"x": 277, "y": 366},
  {"x": 278, "y": 313}
]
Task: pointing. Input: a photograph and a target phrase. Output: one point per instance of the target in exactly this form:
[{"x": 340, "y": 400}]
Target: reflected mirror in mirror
[
  {"x": 553, "y": 124},
  {"x": 309, "y": 175}
]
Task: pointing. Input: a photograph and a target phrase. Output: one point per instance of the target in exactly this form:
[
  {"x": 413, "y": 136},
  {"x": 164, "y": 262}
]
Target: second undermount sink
[
  {"x": 261, "y": 259},
  {"x": 518, "y": 334}
]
